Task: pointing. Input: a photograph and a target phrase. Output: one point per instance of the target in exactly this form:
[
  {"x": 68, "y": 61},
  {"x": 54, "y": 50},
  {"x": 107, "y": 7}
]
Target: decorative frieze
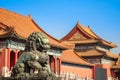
[
  {"x": 84, "y": 47},
  {"x": 54, "y": 52},
  {"x": 102, "y": 49},
  {"x": 15, "y": 45},
  {"x": 2, "y": 44},
  {"x": 106, "y": 60}
]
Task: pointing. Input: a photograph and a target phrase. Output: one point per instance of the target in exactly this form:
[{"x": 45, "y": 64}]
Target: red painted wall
[{"x": 3, "y": 59}]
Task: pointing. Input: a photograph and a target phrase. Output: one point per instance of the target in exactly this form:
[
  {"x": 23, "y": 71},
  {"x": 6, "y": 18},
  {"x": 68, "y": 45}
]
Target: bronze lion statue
[{"x": 34, "y": 60}]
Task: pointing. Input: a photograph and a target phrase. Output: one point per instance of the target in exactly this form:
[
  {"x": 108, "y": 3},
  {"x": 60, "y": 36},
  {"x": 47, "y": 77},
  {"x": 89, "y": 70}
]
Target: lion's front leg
[{"x": 35, "y": 65}]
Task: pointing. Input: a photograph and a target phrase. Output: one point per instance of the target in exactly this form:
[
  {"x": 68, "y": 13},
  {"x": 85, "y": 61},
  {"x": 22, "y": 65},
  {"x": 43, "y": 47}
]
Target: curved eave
[
  {"x": 110, "y": 44},
  {"x": 108, "y": 53},
  {"x": 68, "y": 35},
  {"x": 45, "y": 32},
  {"x": 59, "y": 45},
  {"x": 95, "y": 36},
  {"x": 107, "y": 43},
  {"x": 24, "y": 25},
  {"x": 111, "y": 55},
  {"x": 104, "y": 41},
  {"x": 86, "y": 32},
  {"x": 93, "y": 33},
  {"x": 81, "y": 28},
  {"x": 90, "y": 65},
  {"x": 12, "y": 32}
]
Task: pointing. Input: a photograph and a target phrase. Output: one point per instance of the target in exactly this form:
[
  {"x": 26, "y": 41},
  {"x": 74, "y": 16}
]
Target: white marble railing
[
  {"x": 72, "y": 76},
  {"x": 112, "y": 78},
  {"x": 5, "y": 72}
]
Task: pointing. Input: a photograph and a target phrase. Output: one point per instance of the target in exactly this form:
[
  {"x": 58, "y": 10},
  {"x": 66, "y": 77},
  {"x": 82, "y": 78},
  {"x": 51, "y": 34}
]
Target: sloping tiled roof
[
  {"x": 71, "y": 57},
  {"x": 95, "y": 52},
  {"x": 4, "y": 29},
  {"x": 23, "y": 25},
  {"x": 87, "y": 30},
  {"x": 111, "y": 55},
  {"x": 88, "y": 33}
]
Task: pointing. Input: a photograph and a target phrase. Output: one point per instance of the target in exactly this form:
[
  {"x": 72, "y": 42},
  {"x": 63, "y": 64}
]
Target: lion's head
[{"x": 37, "y": 41}]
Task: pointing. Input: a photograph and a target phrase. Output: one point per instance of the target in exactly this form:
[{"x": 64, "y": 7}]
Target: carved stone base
[{"x": 31, "y": 78}]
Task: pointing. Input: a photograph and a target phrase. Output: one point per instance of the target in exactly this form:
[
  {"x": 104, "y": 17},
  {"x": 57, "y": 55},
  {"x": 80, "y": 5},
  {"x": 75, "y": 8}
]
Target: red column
[
  {"x": 59, "y": 65},
  {"x": 6, "y": 59},
  {"x": 16, "y": 56},
  {"x": 8, "y": 52},
  {"x": 94, "y": 72},
  {"x": 55, "y": 64},
  {"x": 3, "y": 65}
]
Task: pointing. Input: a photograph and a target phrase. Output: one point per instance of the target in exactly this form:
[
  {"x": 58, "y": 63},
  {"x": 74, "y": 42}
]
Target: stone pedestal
[{"x": 31, "y": 78}]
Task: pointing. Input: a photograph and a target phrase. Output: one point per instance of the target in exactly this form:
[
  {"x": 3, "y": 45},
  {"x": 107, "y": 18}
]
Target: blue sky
[{"x": 58, "y": 17}]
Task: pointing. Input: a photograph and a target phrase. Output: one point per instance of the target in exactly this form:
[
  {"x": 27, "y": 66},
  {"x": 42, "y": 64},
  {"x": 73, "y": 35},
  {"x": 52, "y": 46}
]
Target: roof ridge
[
  {"x": 93, "y": 32},
  {"x": 81, "y": 27},
  {"x": 62, "y": 39},
  {"x": 62, "y": 45},
  {"x": 76, "y": 26},
  {"x": 24, "y": 25},
  {"x": 29, "y": 17},
  {"x": 14, "y": 13},
  {"x": 107, "y": 41},
  {"x": 99, "y": 36},
  {"x": 3, "y": 25},
  {"x": 44, "y": 31}
]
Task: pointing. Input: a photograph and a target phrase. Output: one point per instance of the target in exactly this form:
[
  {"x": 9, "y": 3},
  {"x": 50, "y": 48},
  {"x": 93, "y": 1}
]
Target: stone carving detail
[{"x": 33, "y": 63}]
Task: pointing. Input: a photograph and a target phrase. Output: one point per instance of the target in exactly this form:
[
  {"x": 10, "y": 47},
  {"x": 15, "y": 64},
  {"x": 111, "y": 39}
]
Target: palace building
[
  {"x": 80, "y": 55},
  {"x": 92, "y": 48},
  {"x": 14, "y": 30}
]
